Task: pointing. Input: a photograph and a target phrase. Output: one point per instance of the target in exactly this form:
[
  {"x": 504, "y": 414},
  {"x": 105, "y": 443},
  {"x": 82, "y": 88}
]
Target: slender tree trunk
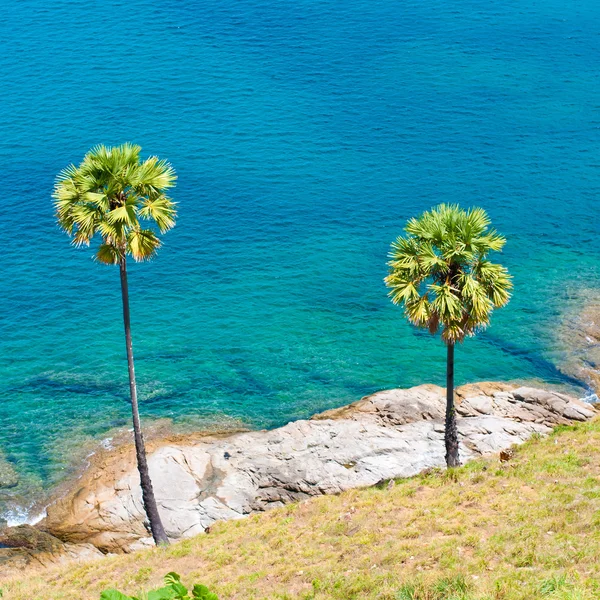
[
  {"x": 451, "y": 434},
  {"x": 156, "y": 526}
]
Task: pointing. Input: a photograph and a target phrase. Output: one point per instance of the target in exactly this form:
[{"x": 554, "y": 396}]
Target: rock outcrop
[
  {"x": 27, "y": 547},
  {"x": 390, "y": 434}
]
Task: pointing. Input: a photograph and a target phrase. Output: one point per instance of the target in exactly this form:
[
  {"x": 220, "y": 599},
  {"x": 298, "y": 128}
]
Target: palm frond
[
  {"x": 161, "y": 210},
  {"x": 418, "y": 311},
  {"x": 142, "y": 244},
  {"x": 85, "y": 218},
  {"x": 454, "y": 332},
  {"x": 154, "y": 176},
  {"x": 491, "y": 241},
  {"x": 402, "y": 289},
  {"x": 108, "y": 254},
  {"x": 113, "y": 233},
  {"x": 447, "y": 302},
  {"x": 478, "y": 220},
  {"x": 126, "y": 213}
]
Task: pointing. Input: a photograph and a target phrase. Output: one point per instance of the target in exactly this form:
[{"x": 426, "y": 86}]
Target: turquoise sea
[{"x": 304, "y": 134}]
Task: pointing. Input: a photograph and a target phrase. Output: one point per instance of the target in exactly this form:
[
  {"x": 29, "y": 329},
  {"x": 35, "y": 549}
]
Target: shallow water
[{"x": 304, "y": 135}]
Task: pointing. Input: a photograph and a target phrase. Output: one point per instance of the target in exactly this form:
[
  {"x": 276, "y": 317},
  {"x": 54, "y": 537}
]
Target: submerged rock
[
  {"x": 8, "y": 476},
  {"x": 390, "y": 434}
]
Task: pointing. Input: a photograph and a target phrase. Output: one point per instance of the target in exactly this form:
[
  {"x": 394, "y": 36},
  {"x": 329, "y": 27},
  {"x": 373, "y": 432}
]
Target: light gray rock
[
  {"x": 393, "y": 407},
  {"x": 391, "y": 434},
  {"x": 576, "y": 412},
  {"x": 483, "y": 405}
]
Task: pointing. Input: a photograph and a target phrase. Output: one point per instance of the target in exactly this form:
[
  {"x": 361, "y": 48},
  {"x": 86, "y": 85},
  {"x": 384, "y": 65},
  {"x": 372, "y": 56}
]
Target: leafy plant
[
  {"x": 172, "y": 590},
  {"x": 449, "y": 588},
  {"x": 554, "y": 584},
  {"x": 407, "y": 592}
]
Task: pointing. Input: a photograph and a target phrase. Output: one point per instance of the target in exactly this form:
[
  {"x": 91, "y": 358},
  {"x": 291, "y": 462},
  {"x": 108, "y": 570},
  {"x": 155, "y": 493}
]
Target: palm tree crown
[
  {"x": 441, "y": 274},
  {"x": 113, "y": 193}
]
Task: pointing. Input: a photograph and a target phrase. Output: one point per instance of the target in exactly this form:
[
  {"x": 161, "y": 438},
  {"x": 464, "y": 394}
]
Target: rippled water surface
[{"x": 304, "y": 134}]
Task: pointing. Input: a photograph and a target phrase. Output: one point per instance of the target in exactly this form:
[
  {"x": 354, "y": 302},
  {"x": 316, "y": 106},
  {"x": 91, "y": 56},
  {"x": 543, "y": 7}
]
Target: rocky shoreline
[
  {"x": 202, "y": 479},
  {"x": 580, "y": 334}
]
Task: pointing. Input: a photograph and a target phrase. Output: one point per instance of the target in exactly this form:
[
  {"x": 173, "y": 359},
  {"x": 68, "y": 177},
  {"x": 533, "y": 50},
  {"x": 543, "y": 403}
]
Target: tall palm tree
[
  {"x": 114, "y": 194},
  {"x": 441, "y": 275}
]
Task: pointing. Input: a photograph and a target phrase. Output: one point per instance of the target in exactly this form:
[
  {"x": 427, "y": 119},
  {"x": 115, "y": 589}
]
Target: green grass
[{"x": 526, "y": 529}]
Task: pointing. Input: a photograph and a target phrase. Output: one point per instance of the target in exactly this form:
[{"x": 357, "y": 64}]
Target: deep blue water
[{"x": 304, "y": 135}]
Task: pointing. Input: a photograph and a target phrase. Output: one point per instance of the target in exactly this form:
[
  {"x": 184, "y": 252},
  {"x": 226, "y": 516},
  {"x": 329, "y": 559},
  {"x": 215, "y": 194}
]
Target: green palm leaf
[{"x": 143, "y": 244}]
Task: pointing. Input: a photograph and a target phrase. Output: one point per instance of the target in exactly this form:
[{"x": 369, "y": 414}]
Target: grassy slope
[{"x": 522, "y": 530}]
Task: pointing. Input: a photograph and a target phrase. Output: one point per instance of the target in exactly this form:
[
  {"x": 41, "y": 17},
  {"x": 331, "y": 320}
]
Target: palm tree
[
  {"x": 440, "y": 273},
  {"x": 111, "y": 193}
]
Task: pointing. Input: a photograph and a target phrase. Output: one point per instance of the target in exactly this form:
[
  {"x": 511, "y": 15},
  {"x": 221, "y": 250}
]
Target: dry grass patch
[{"x": 487, "y": 531}]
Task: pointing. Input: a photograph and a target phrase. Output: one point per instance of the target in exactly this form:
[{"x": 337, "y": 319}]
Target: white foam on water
[
  {"x": 37, "y": 518},
  {"x": 17, "y": 517},
  {"x": 106, "y": 443},
  {"x": 21, "y": 515},
  {"x": 591, "y": 398}
]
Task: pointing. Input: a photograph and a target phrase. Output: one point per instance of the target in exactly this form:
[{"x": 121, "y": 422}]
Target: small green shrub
[
  {"x": 172, "y": 590},
  {"x": 554, "y": 584},
  {"x": 449, "y": 588},
  {"x": 407, "y": 592}
]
